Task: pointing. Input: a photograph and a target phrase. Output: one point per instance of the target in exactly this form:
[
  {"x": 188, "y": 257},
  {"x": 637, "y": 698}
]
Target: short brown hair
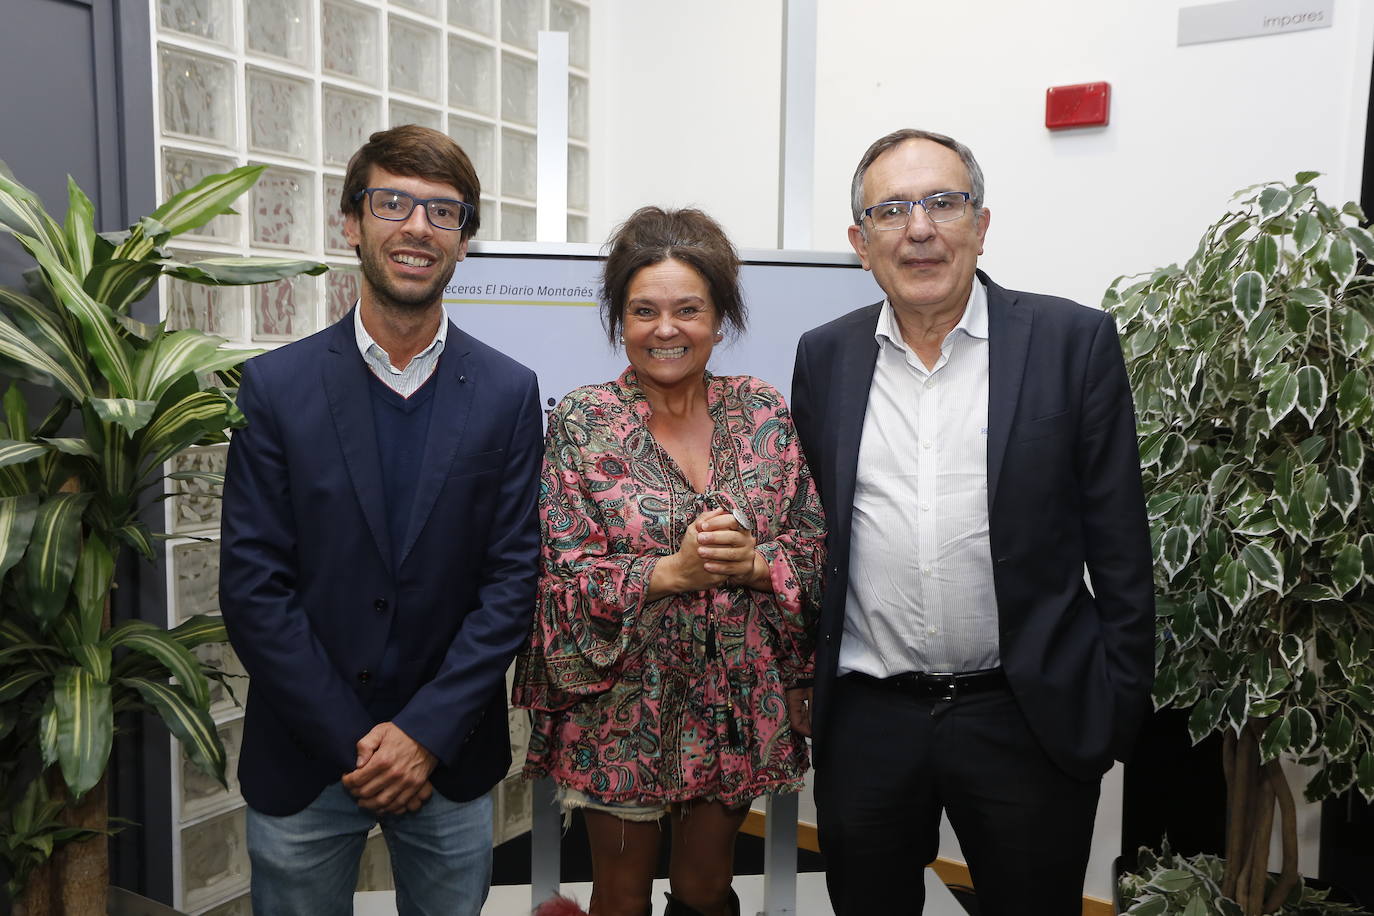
[
  {"x": 418, "y": 152},
  {"x": 653, "y": 235}
]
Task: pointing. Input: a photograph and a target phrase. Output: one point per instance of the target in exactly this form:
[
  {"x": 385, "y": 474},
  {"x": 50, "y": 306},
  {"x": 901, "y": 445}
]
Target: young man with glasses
[
  {"x": 378, "y": 561},
  {"x": 975, "y": 449}
]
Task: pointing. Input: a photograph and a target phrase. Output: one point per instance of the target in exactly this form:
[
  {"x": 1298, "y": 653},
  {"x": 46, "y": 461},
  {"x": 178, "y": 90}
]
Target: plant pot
[{"x": 127, "y": 903}]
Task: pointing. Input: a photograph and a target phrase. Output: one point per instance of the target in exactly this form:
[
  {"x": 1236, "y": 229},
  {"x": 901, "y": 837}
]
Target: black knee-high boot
[{"x": 677, "y": 908}]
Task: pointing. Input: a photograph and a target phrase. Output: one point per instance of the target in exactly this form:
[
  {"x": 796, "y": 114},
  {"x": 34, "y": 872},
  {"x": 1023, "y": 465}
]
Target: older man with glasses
[
  {"x": 378, "y": 561},
  {"x": 976, "y": 453}
]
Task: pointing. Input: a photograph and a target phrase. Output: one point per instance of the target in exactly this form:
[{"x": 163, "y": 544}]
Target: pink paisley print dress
[{"x": 682, "y": 697}]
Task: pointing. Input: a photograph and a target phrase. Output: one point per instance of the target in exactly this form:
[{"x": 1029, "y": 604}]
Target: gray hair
[{"x": 897, "y": 138}]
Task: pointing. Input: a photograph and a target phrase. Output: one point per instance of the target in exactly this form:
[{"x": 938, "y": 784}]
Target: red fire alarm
[{"x": 1083, "y": 105}]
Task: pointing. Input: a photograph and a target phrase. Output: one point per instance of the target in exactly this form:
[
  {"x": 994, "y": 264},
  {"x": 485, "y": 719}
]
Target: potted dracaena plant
[
  {"x": 118, "y": 399},
  {"x": 1251, "y": 367}
]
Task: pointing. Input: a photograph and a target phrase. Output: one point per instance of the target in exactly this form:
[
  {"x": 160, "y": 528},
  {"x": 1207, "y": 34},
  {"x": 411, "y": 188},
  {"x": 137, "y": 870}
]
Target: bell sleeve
[{"x": 590, "y": 615}]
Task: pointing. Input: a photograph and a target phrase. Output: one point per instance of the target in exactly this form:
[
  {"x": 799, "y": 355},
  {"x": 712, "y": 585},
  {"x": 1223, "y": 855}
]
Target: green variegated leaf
[
  {"x": 184, "y": 423},
  {"x": 1306, "y": 233},
  {"x": 94, "y": 658},
  {"x": 119, "y": 282},
  {"x": 1174, "y": 551},
  {"x": 1206, "y": 715},
  {"x": 181, "y": 352},
  {"x": 47, "y": 731},
  {"x": 1352, "y": 398},
  {"x": 1293, "y": 652},
  {"x": 1263, "y": 566},
  {"x": 1278, "y": 734},
  {"x": 16, "y": 683},
  {"x": 85, "y": 727},
  {"x": 54, "y": 545},
  {"x": 213, "y": 195},
  {"x": 1233, "y": 583},
  {"x": 1341, "y": 260},
  {"x": 37, "y": 364},
  {"x": 22, "y": 213},
  {"x": 1247, "y": 295},
  {"x": 137, "y": 536},
  {"x": 1362, "y": 240},
  {"x": 1338, "y": 734},
  {"x": 97, "y": 322},
  {"x": 1344, "y": 490},
  {"x": 1350, "y": 450},
  {"x": 1355, "y": 333},
  {"x": 80, "y": 228},
  {"x": 199, "y": 630},
  {"x": 143, "y": 637},
  {"x": 1364, "y": 776},
  {"x": 1160, "y": 504},
  {"x": 1367, "y": 555},
  {"x": 14, "y": 452},
  {"x": 1283, "y": 395},
  {"x": 128, "y": 413},
  {"x": 1273, "y": 201},
  {"x": 78, "y": 448},
  {"x": 1311, "y": 392},
  {"x": 1312, "y": 298},
  {"x": 94, "y": 576},
  {"x": 191, "y": 725},
  {"x": 1266, "y": 255},
  {"x": 1347, "y": 569},
  {"x": 1297, "y": 315},
  {"x": 239, "y": 271}
]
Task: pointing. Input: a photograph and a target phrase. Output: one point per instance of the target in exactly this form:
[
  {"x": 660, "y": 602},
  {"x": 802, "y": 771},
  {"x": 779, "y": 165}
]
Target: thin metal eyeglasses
[
  {"x": 390, "y": 204},
  {"x": 939, "y": 208}
]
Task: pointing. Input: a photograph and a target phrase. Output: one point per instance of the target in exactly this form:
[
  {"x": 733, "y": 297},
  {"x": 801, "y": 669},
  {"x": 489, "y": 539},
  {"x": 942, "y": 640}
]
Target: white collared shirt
[
  {"x": 920, "y": 594},
  {"x": 407, "y": 381}
]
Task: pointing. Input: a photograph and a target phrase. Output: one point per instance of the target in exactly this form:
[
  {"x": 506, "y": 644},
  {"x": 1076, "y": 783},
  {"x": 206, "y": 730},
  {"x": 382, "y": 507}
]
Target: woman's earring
[
  {"x": 622, "y": 340},
  {"x": 720, "y": 335}
]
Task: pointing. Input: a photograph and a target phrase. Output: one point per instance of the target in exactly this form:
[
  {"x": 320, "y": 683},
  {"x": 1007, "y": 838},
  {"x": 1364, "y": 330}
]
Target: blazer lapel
[
  {"x": 1009, "y": 333},
  {"x": 455, "y": 387},
  {"x": 350, "y": 403},
  {"x": 853, "y": 376}
]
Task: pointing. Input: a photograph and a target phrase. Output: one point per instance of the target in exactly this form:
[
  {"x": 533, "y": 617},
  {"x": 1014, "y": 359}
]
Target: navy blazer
[
  {"x": 1064, "y": 492},
  {"x": 310, "y": 588}
]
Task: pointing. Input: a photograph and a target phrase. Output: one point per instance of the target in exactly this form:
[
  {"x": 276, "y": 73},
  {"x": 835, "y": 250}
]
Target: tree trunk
[
  {"x": 85, "y": 866},
  {"x": 1254, "y": 789},
  {"x": 76, "y": 880}
]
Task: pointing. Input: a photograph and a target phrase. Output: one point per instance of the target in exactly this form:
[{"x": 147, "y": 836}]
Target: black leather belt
[{"x": 936, "y": 686}]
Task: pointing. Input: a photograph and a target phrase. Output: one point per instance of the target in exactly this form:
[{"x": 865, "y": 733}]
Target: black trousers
[{"x": 891, "y": 763}]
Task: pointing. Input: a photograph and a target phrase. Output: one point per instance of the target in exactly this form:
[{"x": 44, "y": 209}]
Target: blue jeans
[{"x": 306, "y": 864}]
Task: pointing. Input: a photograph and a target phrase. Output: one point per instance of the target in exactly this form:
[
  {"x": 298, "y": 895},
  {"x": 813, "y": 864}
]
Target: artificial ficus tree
[{"x": 1251, "y": 369}]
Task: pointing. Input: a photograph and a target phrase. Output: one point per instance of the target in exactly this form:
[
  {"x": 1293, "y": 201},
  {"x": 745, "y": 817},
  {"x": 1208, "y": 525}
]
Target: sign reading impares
[{"x": 1250, "y": 19}]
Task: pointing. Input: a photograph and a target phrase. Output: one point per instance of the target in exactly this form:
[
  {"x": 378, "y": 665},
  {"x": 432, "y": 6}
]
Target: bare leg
[
  {"x": 624, "y": 854},
  {"x": 704, "y": 855}
]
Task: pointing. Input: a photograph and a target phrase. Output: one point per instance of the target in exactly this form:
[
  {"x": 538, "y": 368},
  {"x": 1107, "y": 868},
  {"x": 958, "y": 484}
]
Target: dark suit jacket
[
  {"x": 1064, "y": 490},
  {"x": 312, "y": 597}
]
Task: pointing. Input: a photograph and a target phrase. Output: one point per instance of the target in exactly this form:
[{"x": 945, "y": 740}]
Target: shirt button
[
  {"x": 925, "y": 443},
  {"x": 925, "y": 570},
  {"x": 930, "y": 383},
  {"x": 932, "y": 631},
  {"x": 925, "y": 507},
  {"x": 379, "y": 605},
  {"x": 364, "y": 676}
]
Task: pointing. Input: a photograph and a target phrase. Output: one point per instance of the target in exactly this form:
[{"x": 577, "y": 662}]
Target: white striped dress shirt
[
  {"x": 920, "y": 592},
  {"x": 407, "y": 381}
]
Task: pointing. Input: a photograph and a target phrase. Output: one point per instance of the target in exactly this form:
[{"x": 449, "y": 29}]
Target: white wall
[{"x": 686, "y": 104}]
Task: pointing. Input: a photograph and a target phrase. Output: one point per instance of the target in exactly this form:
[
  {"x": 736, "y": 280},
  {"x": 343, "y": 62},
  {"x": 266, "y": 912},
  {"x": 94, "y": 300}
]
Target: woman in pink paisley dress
[{"x": 682, "y": 560}]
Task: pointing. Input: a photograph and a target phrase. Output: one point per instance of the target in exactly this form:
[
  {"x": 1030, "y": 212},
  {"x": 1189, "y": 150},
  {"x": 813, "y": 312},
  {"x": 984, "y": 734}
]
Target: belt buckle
[{"x": 947, "y": 685}]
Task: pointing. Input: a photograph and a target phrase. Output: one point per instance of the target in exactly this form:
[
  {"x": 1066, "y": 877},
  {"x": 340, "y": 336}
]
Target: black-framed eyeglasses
[
  {"x": 940, "y": 208},
  {"x": 390, "y": 204}
]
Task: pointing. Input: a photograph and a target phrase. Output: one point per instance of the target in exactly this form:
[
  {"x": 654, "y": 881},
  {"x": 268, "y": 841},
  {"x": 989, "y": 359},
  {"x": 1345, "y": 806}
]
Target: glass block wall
[{"x": 297, "y": 86}]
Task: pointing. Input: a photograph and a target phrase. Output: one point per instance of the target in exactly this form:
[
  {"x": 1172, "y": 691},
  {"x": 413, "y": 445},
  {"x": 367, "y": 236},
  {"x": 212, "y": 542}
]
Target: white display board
[{"x": 538, "y": 304}]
